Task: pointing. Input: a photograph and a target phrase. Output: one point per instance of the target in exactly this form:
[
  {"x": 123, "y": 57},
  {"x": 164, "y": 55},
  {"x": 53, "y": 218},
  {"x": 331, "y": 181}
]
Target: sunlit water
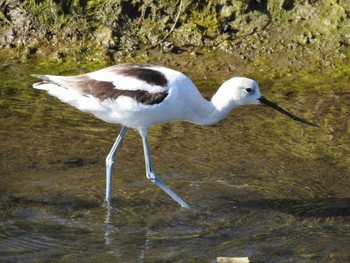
[{"x": 260, "y": 185}]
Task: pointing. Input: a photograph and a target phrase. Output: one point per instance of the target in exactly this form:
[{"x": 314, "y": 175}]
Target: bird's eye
[{"x": 249, "y": 90}]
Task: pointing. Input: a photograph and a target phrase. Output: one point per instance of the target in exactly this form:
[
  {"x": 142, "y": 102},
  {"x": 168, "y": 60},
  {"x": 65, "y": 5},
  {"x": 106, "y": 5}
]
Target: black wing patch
[
  {"x": 148, "y": 75},
  {"x": 143, "y": 96},
  {"x": 106, "y": 90}
]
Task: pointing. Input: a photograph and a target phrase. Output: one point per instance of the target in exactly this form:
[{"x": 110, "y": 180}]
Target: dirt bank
[{"x": 269, "y": 34}]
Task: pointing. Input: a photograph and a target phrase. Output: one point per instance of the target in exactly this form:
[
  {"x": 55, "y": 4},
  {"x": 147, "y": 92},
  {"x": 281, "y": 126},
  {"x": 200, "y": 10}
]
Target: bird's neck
[{"x": 213, "y": 111}]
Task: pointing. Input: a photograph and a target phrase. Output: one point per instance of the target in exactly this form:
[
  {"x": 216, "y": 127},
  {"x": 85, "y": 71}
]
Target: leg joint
[{"x": 109, "y": 161}]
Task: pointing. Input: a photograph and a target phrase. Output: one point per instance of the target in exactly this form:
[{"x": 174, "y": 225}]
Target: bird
[{"x": 139, "y": 95}]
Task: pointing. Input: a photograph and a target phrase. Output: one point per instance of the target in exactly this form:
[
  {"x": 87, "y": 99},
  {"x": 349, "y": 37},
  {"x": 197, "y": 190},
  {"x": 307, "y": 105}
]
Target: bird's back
[{"x": 135, "y": 95}]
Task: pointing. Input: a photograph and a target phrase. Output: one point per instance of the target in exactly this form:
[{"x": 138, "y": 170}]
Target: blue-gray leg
[
  {"x": 154, "y": 178},
  {"x": 109, "y": 166}
]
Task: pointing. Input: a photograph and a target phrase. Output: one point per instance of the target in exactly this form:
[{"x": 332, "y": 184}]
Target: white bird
[{"x": 140, "y": 95}]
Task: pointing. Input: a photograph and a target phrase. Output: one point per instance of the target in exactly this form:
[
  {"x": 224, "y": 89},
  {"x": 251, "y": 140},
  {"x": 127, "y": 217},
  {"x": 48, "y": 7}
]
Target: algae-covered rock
[{"x": 282, "y": 30}]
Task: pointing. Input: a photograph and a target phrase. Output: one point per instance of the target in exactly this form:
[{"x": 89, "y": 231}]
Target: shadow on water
[
  {"x": 265, "y": 230},
  {"x": 260, "y": 185},
  {"x": 316, "y": 207}
]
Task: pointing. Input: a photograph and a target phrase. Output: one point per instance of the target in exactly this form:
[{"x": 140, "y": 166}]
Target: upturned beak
[{"x": 265, "y": 101}]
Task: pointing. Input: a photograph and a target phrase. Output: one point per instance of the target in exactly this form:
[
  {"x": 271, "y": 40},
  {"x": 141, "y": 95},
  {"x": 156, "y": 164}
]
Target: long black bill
[{"x": 265, "y": 101}]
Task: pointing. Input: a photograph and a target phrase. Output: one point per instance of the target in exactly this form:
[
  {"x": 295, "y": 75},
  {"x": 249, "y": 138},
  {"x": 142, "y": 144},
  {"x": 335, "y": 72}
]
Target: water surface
[{"x": 260, "y": 185}]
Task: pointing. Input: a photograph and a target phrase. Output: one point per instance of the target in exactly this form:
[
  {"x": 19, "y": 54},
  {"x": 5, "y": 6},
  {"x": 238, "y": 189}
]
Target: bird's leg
[
  {"x": 154, "y": 178},
  {"x": 109, "y": 166}
]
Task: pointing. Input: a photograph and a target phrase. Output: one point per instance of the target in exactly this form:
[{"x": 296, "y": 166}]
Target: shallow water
[{"x": 260, "y": 185}]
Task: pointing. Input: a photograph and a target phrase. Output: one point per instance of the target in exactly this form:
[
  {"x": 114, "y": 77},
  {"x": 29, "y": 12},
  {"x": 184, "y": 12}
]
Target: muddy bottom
[{"x": 259, "y": 184}]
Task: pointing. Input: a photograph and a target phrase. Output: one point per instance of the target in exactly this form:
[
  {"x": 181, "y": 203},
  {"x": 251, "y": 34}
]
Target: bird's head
[
  {"x": 246, "y": 91},
  {"x": 242, "y": 90}
]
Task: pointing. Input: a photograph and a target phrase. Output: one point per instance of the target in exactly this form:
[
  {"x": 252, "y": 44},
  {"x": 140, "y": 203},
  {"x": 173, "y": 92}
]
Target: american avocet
[{"x": 141, "y": 95}]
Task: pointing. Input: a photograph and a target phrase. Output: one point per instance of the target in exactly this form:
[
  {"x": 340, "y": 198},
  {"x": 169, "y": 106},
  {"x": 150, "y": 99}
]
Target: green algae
[{"x": 296, "y": 34}]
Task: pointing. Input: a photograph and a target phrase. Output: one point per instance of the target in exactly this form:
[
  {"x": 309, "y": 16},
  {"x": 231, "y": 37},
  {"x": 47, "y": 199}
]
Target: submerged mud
[{"x": 261, "y": 185}]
